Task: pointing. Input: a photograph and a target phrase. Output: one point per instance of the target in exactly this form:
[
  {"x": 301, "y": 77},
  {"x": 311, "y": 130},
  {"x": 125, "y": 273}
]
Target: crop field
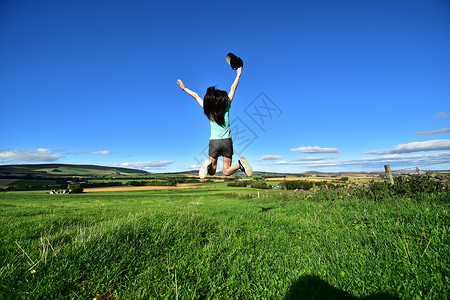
[
  {"x": 7, "y": 181},
  {"x": 25, "y": 181},
  {"x": 218, "y": 242},
  {"x": 141, "y": 188},
  {"x": 353, "y": 178}
]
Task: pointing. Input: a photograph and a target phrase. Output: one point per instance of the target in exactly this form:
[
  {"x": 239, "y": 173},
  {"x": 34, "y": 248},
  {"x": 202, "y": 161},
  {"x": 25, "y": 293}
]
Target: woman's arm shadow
[{"x": 313, "y": 288}]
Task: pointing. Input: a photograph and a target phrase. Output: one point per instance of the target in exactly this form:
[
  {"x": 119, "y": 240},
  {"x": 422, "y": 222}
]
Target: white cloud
[
  {"x": 281, "y": 162},
  {"x": 435, "y": 131},
  {"x": 441, "y": 115},
  {"x": 315, "y": 149},
  {"x": 29, "y": 155},
  {"x": 193, "y": 167},
  {"x": 379, "y": 161},
  {"x": 313, "y": 158},
  {"x": 79, "y": 152},
  {"x": 415, "y": 147},
  {"x": 146, "y": 165},
  {"x": 269, "y": 157},
  {"x": 102, "y": 152},
  {"x": 306, "y": 161}
]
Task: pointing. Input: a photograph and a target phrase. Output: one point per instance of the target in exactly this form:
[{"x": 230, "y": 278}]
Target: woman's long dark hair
[{"x": 215, "y": 105}]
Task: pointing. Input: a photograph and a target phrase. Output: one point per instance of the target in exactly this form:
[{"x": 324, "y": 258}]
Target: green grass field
[{"x": 222, "y": 243}]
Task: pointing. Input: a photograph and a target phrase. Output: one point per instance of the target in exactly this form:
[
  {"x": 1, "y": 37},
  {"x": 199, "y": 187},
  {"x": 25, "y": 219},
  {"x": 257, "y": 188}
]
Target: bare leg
[
  {"x": 229, "y": 169},
  {"x": 214, "y": 164},
  {"x": 209, "y": 167}
]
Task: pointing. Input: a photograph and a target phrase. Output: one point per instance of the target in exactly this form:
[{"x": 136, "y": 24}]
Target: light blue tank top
[{"x": 222, "y": 132}]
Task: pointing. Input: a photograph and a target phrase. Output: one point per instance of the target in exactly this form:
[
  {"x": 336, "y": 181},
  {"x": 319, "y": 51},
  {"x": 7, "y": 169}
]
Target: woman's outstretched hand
[
  {"x": 239, "y": 71},
  {"x": 189, "y": 92},
  {"x": 181, "y": 84}
]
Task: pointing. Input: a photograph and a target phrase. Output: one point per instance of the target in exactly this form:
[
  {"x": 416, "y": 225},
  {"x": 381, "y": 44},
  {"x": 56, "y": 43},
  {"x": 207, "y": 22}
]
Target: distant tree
[
  {"x": 75, "y": 188},
  {"x": 259, "y": 185},
  {"x": 239, "y": 183},
  {"x": 297, "y": 184}
]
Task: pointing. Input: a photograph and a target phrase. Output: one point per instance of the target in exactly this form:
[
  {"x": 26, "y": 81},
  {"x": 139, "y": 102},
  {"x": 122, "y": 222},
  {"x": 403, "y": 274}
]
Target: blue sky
[{"x": 326, "y": 85}]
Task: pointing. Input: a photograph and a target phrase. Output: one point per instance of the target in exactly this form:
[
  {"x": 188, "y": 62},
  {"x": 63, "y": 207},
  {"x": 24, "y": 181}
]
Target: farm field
[
  {"x": 217, "y": 242},
  {"x": 4, "y": 182},
  {"x": 140, "y": 188},
  {"x": 331, "y": 177},
  {"x": 57, "y": 170}
]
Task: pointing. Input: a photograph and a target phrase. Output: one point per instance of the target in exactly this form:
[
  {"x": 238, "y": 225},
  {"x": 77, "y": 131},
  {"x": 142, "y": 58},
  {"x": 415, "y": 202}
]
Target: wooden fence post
[{"x": 387, "y": 168}]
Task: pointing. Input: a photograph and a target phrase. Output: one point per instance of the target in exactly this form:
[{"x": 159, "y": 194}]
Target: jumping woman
[{"x": 216, "y": 106}]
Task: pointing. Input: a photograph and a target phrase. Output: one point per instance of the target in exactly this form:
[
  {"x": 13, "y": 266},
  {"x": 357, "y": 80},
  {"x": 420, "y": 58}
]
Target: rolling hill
[{"x": 63, "y": 170}]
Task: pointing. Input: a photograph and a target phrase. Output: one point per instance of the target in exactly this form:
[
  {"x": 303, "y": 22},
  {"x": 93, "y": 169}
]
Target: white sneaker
[
  {"x": 204, "y": 169},
  {"x": 245, "y": 166}
]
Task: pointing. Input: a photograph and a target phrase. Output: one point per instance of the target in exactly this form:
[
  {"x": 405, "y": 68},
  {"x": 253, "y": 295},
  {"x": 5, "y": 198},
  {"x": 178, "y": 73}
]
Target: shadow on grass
[{"x": 313, "y": 288}]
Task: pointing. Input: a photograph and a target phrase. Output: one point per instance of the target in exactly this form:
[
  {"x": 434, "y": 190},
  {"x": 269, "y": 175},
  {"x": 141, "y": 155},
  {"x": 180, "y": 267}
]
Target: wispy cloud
[
  {"x": 193, "y": 167},
  {"x": 282, "y": 162},
  {"x": 306, "y": 161},
  {"x": 378, "y": 162},
  {"x": 146, "y": 165},
  {"x": 313, "y": 158},
  {"x": 315, "y": 149},
  {"x": 441, "y": 115},
  {"x": 269, "y": 157},
  {"x": 435, "y": 131},
  {"x": 101, "y": 152},
  {"x": 415, "y": 147},
  {"x": 29, "y": 155}
]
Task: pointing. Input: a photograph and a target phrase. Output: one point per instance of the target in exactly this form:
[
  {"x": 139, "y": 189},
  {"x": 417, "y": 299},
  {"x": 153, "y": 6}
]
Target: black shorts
[{"x": 221, "y": 147}]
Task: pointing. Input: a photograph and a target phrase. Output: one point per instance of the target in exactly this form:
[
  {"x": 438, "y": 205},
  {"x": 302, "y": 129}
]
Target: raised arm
[
  {"x": 191, "y": 93},
  {"x": 235, "y": 84}
]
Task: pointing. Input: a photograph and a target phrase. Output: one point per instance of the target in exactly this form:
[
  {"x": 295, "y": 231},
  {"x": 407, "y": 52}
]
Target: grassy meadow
[{"x": 218, "y": 242}]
